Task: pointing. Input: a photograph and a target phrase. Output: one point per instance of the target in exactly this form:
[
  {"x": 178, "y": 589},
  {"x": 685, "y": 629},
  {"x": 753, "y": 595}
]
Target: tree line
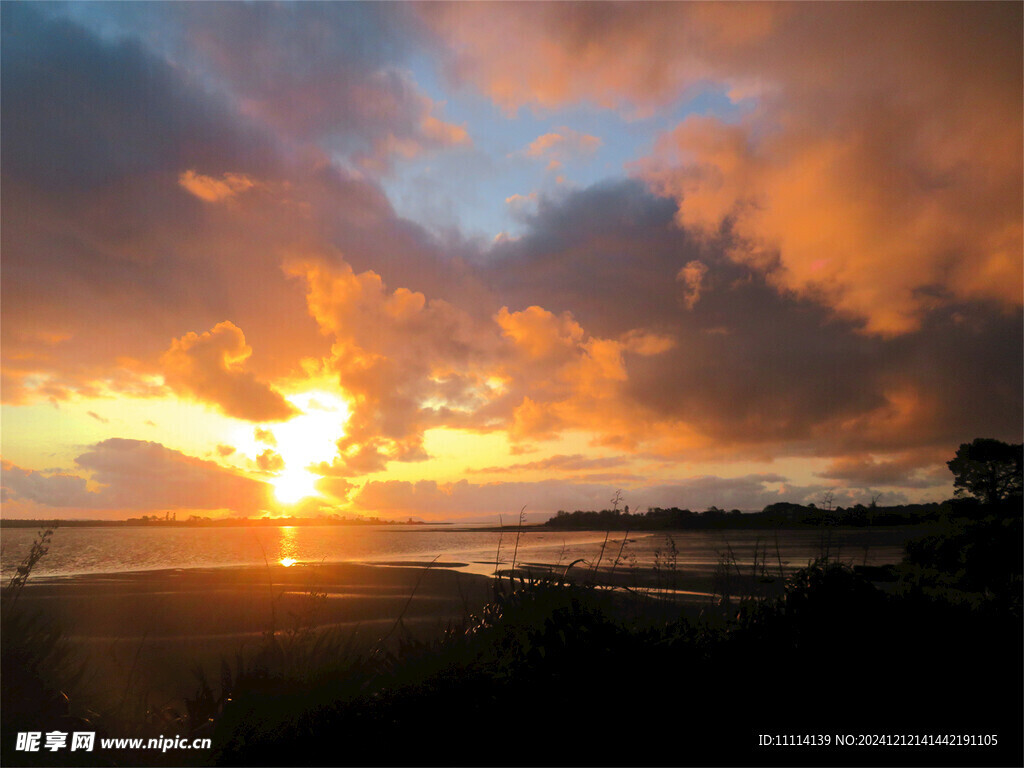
[{"x": 987, "y": 475}]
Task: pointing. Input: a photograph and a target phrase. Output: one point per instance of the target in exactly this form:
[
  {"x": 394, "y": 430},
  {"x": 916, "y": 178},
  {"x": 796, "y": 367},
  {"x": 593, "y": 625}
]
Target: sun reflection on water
[{"x": 288, "y": 547}]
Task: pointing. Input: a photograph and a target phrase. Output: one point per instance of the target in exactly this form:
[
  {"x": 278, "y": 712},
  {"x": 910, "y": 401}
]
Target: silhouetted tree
[{"x": 989, "y": 470}]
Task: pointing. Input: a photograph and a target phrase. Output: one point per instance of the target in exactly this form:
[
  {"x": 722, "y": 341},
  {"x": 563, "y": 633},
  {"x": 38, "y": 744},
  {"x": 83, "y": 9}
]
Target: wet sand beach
[{"x": 144, "y": 632}]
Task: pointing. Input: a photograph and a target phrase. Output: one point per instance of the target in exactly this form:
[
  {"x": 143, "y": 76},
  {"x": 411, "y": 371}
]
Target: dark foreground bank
[{"x": 920, "y": 665}]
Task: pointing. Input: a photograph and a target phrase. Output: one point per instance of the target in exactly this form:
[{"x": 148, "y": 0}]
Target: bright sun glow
[
  {"x": 293, "y": 485},
  {"x": 287, "y": 562},
  {"x": 306, "y": 439}
]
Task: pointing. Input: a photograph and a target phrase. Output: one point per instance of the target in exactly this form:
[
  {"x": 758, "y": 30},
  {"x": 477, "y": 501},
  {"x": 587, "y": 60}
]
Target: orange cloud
[
  {"x": 210, "y": 368},
  {"x": 270, "y": 461},
  {"x": 264, "y": 436},
  {"x": 841, "y": 217},
  {"x": 540, "y": 333},
  {"x": 408, "y": 363},
  {"x": 908, "y": 409},
  {"x": 613, "y": 54},
  {"x": 692, "y": 279},
  {"x": 394, "y": 352},
  {"x": 337, "y": 487},
  {"x": 561, "y": 377},
  {"x": 646, "y": 343},
  {"x": 214, "y": 190},
  {"x": 444, "y": 134},
  {"x": 560, "y": 144},
  {"x": 535, "y": 421},
  {"x": 394, "y": 96},
  {"x": 560, "y": 462}
]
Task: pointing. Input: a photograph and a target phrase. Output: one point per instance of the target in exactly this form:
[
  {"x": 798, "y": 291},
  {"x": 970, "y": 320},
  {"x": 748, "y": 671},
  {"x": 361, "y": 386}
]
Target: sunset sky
[{"x": 443, "y": 261}]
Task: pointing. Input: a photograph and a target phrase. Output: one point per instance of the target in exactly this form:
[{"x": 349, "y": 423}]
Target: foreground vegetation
[{"x": 558, "y": 670}]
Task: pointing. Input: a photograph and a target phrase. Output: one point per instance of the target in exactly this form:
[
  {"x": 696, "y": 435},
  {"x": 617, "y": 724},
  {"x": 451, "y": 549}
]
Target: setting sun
[
  {"x": 288, "y": 449},
  {"x": 294, "y": 485}
]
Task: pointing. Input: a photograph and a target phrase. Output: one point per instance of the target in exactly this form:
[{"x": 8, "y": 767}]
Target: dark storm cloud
[
  {"x": 914, "y": 469},
  {"x": 615, "y": 238},
  {"x": 329, "y": 73},
  {"x": 751, "y": 364},
  {"x": 81, "y": 114},
  {"x": 325, "y": 72}
]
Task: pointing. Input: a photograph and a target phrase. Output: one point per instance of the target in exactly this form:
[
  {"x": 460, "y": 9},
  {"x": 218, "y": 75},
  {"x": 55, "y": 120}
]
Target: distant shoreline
[
  {"x": 230, "y": 522},
  {"x": 780, "y": 515}
]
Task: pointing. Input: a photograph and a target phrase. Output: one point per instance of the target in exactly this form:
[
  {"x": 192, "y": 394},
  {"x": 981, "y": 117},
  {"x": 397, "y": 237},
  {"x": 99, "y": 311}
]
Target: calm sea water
[{"x": 75, "y": 551}]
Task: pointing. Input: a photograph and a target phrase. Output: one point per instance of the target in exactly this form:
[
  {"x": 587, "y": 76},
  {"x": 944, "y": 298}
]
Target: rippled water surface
[{"x": 112, "y": 550}]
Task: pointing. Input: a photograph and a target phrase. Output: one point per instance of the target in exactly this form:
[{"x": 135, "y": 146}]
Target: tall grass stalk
[
  {"x": 415, "y": 588},
  {"x": 519, "y": 530},
  {"x": 618, "y": 557},
  {"x": 600, "y": 556},
  {"x": 12, "y": 591}
]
